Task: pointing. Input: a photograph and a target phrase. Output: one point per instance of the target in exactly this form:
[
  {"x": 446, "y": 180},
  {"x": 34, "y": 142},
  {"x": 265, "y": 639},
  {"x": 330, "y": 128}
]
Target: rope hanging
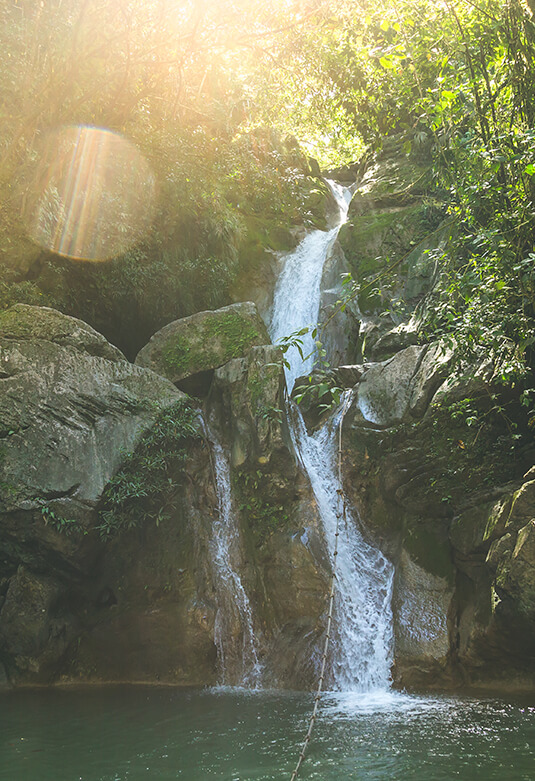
[{"x": 339, "y": 514}]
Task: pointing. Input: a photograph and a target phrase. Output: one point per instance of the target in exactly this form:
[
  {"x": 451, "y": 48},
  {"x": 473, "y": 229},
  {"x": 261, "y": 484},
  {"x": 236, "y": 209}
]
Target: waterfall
[
  {"x": 296, "y": 301},
  {"x": 362, "y": 641},
  {"x": 234, "y": 632},
  {"x": 362, "y": 636}
]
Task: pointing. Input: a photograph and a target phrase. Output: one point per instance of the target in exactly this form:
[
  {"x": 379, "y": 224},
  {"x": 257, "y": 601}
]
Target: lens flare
[{"x": 93, "y": 194}]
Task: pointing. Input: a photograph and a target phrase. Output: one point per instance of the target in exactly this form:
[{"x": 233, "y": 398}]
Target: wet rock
[
  {"x": 32, "y": 636},
  {"x": 476, "y": 528},
  {"x": 515, "y": 576},
  {"x": 296, "y": 585},
  {"x": 247, "y": 396},
  {"x": 499, "y": 551},
  {"x": 522, "y": 506},
  {"x": 338, "y": 329},
  {"x": 349, "y": 376},
  {"x": 421, "y": 608},
  {"x": 148, "y": 611}
]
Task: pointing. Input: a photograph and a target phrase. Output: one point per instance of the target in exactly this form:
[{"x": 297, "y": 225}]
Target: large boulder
[
  {"x": 204, "y": 341},
  {"x": 71, "y": 409},
  {"x": 421, "y": 605},
  {"x": 403, "y": 386}
]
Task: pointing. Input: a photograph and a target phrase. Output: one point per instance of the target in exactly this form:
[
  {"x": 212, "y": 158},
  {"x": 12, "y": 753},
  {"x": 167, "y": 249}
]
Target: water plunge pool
[{"x": 125, "y": 733}]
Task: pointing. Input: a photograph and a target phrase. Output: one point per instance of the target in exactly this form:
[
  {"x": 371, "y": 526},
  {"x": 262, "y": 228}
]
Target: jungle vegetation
[{"x": 227, "y": 100}]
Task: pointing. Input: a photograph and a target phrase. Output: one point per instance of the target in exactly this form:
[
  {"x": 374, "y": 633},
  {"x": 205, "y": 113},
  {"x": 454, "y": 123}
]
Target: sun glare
[{"x": 95, "y": 194}]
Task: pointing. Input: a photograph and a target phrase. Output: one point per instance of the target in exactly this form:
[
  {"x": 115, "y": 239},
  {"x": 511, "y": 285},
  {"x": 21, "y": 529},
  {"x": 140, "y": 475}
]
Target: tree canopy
[{"x": 211, "y": 93}]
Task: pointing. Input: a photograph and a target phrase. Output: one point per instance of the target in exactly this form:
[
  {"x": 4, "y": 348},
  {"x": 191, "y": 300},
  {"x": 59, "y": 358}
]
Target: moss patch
[
  {"x": 145, "y": 486},
  {"x": 263, "y": 513},
  {"x": 216, "y": 342}
]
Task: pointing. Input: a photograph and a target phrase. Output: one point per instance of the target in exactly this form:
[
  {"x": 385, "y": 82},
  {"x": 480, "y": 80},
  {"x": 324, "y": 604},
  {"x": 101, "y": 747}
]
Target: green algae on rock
[{"x": 203, "y": 341}]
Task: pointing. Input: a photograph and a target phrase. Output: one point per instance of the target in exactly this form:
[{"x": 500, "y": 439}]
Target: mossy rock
[
  {"x": 203, "y": 341},
  {"x": 23, "y": 322},
  {"x": 476, "y": 528}
]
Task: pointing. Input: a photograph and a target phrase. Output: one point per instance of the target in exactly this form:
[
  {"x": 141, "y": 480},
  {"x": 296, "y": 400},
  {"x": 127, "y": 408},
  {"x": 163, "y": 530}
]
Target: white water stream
[
  {"x": 296, "y": 301},
  {"x": 363, "y": 636},
  {"x": 234, "y": 633},
  {"x": 362, "y": 639}
]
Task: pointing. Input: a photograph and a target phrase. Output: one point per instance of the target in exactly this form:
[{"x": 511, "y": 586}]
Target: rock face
[
  {"x": 402, "y": 386},
  {"x": 70, "y": 408},
  {"x": 285, "y": 569},
  {"x": 140, "y": 605},
  {"x": 249, "y": 395},
  {"x": 203, "y": 341},
  {"x": 464, "y": 553},
  {"x": 392, "y": 241},
  {"x": 339, "y": 330}
]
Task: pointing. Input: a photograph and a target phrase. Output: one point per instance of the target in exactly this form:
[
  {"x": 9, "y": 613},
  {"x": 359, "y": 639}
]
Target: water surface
[{"x": 135, "y": 733}]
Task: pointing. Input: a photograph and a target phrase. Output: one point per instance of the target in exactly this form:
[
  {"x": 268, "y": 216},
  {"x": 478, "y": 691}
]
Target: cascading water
[
  {"x": 296, "y": 300},
  {"x": 363, "y": 637},
  {"x": 234, "y": 633},
  {"x": 362, "y": 634}
]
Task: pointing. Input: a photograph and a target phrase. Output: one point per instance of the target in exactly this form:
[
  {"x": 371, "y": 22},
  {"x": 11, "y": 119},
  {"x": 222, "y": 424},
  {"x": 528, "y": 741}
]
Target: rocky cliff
[
  {"x": 105, "y": 555},
  {"x": 108, "y": 497}
]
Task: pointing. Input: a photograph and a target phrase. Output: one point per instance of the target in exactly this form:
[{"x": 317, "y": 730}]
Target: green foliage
[
  {"x": 319, "y": 389},
  {"x": 454, "y": 85},
  {"x": 67, "y": 526},
  {"x": 177, "y": 79},
  {"x": 14, "y": 290},
  {"x": 263, "y": 514},
  {"x": 319, "y": 392},
  {"x": 479, "y": 441},
  {"x": 145, "y": 487},
  {"x": 177, "y": 355}
]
